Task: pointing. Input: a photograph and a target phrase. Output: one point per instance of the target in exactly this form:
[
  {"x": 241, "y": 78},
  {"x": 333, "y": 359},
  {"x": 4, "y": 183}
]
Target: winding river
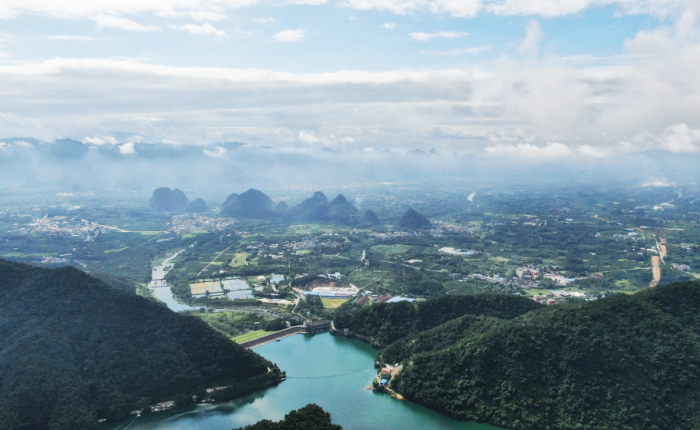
[{"x": 330, "y": 371}]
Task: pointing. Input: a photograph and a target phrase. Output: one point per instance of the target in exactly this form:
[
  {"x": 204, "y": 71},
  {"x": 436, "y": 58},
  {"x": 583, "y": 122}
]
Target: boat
[{"x": 277, "y": 340}]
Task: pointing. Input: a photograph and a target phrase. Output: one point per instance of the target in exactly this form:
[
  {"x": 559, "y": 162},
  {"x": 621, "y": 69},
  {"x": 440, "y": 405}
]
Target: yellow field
[
  {"x": 333, "y": 303},
  {"x": 251, "y": 336}
]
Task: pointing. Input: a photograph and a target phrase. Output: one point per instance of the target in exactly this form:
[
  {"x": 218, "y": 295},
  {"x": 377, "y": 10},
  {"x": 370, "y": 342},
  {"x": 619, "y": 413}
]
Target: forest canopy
[{"x": 75, "y": 350}]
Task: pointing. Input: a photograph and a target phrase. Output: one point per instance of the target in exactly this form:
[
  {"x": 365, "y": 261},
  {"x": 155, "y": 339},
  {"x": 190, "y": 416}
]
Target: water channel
[{"x": 311, "y": 363}]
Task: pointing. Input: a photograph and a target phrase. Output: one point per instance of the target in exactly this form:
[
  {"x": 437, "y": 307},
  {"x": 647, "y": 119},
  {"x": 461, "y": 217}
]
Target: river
[{"x": 308, "y": 361}]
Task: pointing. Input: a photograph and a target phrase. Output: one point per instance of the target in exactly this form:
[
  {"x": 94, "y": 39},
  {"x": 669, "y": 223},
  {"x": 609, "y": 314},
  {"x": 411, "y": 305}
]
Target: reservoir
[{"x": 331, "y": 371}]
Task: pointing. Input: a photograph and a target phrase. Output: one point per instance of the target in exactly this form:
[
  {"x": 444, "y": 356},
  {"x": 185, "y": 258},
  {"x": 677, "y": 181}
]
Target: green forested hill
[
  {"x": 73, "y": 350},
  {"x": 385, "y": 323},
  {"x": 625, "y": 362},
  {"x": 310, "y": 417}
]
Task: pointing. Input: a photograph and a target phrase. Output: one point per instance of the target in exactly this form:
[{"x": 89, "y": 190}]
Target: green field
[
  {"x": 333, "y": 303},
  {"x": 304, "y": 251},
  {"x": 239, "y": 259},
  {"x": 251, "y": 336},
  {"x": 193, "y": 234},
  {"x": 389, "y": 250},
  {"x": 150, "y": 233}
]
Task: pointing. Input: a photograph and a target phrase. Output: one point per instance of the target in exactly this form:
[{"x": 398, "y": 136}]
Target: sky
[{"x": 515, "y": 78}]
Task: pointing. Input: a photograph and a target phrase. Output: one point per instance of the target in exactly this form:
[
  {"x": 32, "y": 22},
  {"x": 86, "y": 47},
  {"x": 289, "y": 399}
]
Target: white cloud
[
  {"x": 202, "y": 15},
  {"x": 389, "y": 25},
  {"x": 199, "y": 29},
  {"x": 3, "y": 144},
  {"x": 290, "y": 35},
  {"x": 308, "y": 2},
  {"x": 526, "y": 150},
  {"x": 681, "y": 138},
  {"x": 107, "y": 21},
  {"x": 81, "y": 38},
  {"x": 89, "y": 9},
  {"x": 263, "y": 20},
  {"x": 425, "y": 37},
  {"x": 99, "y": 141},
  {"x": 23, "y": 144},
  {"x": 590, "y": 151},
  {"x": 170, "y": 142},
  {"x": 308, "y": 137},
  {"x": 647, "y": 98},
  {"x": 472, "y": 51},
  {"x": 545, "y": 8},
  {"x": 127, "y": 148},
  {"x": 220, "y": 152},
  {"x": 533, "y": 38}
]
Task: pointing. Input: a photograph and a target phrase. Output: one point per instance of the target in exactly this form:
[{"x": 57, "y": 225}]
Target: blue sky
[
  {"x": 509, "y": 77},
  {"x": 334, "y": 38}
]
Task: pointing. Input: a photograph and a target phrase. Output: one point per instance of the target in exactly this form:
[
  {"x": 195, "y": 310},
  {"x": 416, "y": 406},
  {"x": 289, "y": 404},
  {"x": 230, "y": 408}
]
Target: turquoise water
[{"x": 308, "y": 361}]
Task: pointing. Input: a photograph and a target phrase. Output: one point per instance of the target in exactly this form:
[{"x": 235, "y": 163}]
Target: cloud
[
  {"x": 544, "y": 8},
  {"x": 533, "y": 38},
  {"x": 526, "y": 150},
  {"x": 127, "y": 148},
  {"x": 589, "y": 151},
  {"x": 308, "y": 2},
  {"x": 425, "y": 37},
  {"x": 680, "y": 138},
  {"x": 389, "y": 25},
  {"x": 290, "y": 35},
  {"x": 87, "y": 9},
  {"x": 107, "y": 21},
  {"x": 647, "y": 98},
  {"x": 308, "y": 137},
  {"x": 23, "y": 144},
  {"x": 263, "y": 20},
  {"x": 81, "y": 38},
  {"x": 199, "y": 29},
  {"x": 220, "y": 152},
  {"x": 471, "y": 51},
  {"x": 100, "y": 141},
  {"x": 202, "y": 15}
]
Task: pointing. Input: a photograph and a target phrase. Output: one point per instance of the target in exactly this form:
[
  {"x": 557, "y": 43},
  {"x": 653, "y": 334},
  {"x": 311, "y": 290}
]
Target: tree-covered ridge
[
  {"x": 73, "y": 350},
  {"x": 385, "y": 323},
  {"x": 625, "y": 362},
  {"x": 310, "y": 417},
  {"x": 436, "y": 339}
]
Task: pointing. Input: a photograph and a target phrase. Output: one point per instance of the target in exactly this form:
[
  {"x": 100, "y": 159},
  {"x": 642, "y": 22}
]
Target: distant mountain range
[
  {"x": 165, "y": 199},
  {"x": 121, "y": 163},
  {"x": 255, "y": 204}
]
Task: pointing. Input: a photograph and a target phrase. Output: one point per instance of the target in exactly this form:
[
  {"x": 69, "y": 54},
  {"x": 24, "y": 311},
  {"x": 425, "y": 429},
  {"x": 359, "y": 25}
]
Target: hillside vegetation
[
  {"x": 310, "y": 417},
  {"x": 382, "y": 324},
  {"x": 74, "y": 350},
  {"x": 624, "y": 362}
]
